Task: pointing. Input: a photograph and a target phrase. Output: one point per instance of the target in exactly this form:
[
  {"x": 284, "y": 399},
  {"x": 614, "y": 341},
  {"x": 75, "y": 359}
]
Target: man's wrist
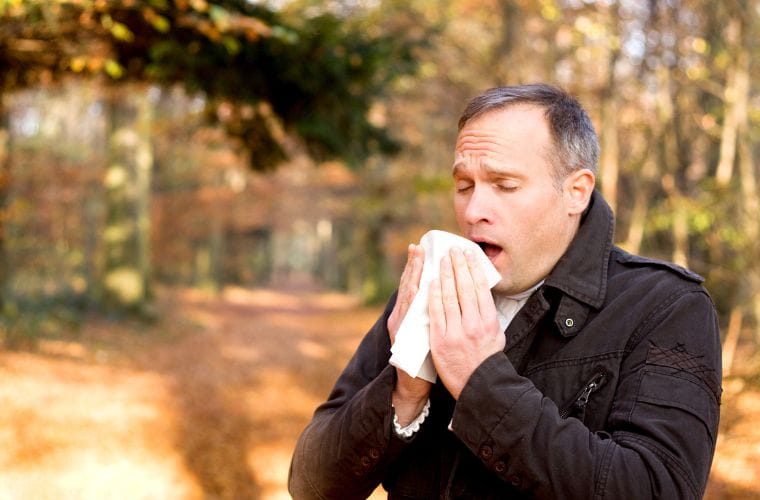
[
  {"x": 408, "y": 430},
  {"x": 408, "y": 407}
]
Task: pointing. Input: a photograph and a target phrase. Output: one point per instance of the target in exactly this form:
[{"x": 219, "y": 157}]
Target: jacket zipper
[{"x": 581, "y": 399}]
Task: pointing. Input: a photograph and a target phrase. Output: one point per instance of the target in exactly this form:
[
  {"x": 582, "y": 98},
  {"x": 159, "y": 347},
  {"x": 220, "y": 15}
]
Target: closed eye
[{"x": 507, "y": 187}]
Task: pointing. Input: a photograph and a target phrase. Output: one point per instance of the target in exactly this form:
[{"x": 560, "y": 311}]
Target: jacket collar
[{"x": 582, "y": 271}]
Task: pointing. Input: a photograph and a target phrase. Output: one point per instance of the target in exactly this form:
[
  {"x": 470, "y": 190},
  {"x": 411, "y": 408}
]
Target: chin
[{"x": 503, "y": 287}]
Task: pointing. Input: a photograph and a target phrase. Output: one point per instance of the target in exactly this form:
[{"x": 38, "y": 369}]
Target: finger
[
  {"x": 418, "y": 261},
  {"x": 468, "y": 301},
  {"x": 482, "y": 290},
  {"x": 449, "y": 293},
  {"x": 435, "y": 311},
  {"x": 407, "y": 267},
  {"x": 407, "y": 287}
]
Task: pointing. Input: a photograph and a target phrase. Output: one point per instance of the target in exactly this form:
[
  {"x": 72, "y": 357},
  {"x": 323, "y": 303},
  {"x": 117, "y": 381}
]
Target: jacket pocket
[
  {"x": 664, "y": 391},
  {"x": 576, "y": 406}
]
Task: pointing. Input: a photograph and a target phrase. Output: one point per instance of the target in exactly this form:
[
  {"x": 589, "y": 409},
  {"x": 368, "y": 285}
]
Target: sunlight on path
[
  {"x": 73, "y": 430},
  {"x": 209, "y": 403}
]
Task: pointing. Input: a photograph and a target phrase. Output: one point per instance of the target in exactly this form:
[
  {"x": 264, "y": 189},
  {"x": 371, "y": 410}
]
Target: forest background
[{"x": 184, "y": 177}]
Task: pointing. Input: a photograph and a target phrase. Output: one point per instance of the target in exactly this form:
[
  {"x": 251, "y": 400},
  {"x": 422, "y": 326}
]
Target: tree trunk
[
  {"x": 216, "y": 249},
  {"x": 5, "y": 180},
  {"x": 609, "y": 127},
  {"x": 127, "y": 189},
  {"x": 736, "y": 96},
  {"x": 610, "y": 150},
  {"x": 143, "y": 177},
  {"x": 375, "y": 286},
  {"x": 505, "y": 71},
  {"x": 670, "y": 181},
  {"x": 732, "y": 339},
  {"x": 641, "y": 199},
  {"x": 751, "y": 223},
  {"x": 680, "y": 230}
]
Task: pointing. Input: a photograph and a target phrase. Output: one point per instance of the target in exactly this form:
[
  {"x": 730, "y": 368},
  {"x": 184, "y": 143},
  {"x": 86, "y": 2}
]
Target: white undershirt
[{"x": 507, "y": 307}]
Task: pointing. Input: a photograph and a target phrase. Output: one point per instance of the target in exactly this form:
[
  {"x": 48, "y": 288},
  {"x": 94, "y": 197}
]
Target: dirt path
[{"x": 208, "y": 404}]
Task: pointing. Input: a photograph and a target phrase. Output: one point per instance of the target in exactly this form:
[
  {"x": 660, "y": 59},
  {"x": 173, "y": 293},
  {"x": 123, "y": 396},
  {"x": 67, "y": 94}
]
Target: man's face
[{"x": 506, "y": 198}]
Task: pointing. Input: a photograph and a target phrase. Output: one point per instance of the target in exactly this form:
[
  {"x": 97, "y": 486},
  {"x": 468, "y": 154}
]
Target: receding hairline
[
  {"x": 507, "y": 106},
  {"x": 574, "y": 143},
  {"x": 548, "y": 151}
]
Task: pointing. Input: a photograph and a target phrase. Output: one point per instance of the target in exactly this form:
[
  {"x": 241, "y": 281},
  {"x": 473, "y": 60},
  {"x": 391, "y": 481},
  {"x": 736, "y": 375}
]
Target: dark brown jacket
[{"x": 608, "y": 387}]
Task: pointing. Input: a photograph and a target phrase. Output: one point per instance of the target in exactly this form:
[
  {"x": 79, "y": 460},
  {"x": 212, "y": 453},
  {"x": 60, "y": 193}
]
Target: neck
[{"x": 520, "y": 295}]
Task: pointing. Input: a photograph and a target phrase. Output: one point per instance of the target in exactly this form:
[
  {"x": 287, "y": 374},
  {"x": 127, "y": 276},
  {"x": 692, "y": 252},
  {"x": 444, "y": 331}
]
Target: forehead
[
  {"x": 508, "y": 124},
  {"x": 516, "y": 135}
]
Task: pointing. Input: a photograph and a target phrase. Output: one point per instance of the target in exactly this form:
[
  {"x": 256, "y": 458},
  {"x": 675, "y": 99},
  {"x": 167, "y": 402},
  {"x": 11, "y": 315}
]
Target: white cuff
[{"x": 414, "y": 426}]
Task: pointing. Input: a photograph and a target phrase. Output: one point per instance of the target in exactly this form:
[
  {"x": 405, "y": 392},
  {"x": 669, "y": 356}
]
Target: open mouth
[{"x": 491, "y": 250}]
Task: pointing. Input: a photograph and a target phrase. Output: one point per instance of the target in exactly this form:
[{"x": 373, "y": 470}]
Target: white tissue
[{"x": 411, "y": 349}]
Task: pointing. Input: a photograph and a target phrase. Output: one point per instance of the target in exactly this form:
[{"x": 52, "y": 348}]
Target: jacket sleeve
[
  {"x": 659, "y": 437},
  {"x": 349, "y": 443}
]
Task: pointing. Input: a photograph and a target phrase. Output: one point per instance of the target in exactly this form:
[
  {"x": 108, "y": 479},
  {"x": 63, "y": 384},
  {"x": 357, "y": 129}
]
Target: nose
[{"x": 479, "y": 207}]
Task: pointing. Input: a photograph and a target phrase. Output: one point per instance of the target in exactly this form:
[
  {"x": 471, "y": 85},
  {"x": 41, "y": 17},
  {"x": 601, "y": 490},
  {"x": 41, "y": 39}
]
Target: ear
[{"x": 578, "y": 188}]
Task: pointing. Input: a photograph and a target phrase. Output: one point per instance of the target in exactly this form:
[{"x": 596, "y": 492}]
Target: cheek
[
  {"x": 460, "y": 207},
  {"x": 533, "y": 225}
]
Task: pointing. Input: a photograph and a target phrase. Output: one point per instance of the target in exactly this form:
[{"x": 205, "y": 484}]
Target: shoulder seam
[
  {"x": 629, "y": 259},
  {"x": 645, "y": 326}
]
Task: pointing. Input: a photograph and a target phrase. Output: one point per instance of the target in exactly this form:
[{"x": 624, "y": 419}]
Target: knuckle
[
  {"x": 467, "y": 294},
  {"x": 450, "y": 301},
  {"x": 470, "y": 327}
]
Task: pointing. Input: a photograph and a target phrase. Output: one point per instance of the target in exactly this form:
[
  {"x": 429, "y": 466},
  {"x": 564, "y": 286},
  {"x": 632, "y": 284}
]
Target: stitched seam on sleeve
[
  {"x": 644, "y": 398},
  {"x": 307, "y": 476},
  {"x": 664, "y": 455},
  {"x": 604, "y": 470},
  {"x": 677, "y": 375},
  {"x": 669, "y": 402},
  {"x": 507, "y": 411},
  {"x": 647, "y": 324},
  {"x": 638, "y": 391}
]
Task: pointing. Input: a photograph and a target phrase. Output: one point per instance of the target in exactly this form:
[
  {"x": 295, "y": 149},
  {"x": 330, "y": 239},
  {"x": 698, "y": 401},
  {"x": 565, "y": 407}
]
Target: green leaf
[
  {"x": 160, "y": 4},
  {"x": 220, "y": 17},
  {"x": 285, "y": 34},
  {"x": 114, "y": 69},
  {"x": 231, "y": 44},
  {"x": 121, "y": 32},
  {"x": 160, "y": 23}
]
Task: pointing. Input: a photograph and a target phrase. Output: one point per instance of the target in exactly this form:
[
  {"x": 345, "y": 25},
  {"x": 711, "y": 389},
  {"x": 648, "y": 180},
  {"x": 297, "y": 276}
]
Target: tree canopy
[{"x": 313, "y": 76}]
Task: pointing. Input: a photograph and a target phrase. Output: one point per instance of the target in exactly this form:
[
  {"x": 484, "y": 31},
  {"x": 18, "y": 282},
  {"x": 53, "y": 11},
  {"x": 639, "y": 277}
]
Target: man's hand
[
  {"x": 410, "y": 394},
  {"x": 464, "y": 326}
]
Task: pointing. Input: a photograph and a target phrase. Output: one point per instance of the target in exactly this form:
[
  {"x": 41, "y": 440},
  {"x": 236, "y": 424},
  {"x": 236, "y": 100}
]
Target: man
[{"x": 605, "y": 384}]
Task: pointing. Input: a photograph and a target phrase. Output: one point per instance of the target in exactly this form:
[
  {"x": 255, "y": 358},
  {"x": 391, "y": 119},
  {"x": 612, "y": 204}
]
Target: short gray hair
[{"x": 576, "y": 145}]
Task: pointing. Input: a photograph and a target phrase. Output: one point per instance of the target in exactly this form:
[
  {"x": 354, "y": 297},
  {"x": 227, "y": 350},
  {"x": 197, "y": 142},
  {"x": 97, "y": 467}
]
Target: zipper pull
[
  {"x": 583, "y": 399},
  {"x": 592, "y": 386},
  {"x": 578, "y": 404}
]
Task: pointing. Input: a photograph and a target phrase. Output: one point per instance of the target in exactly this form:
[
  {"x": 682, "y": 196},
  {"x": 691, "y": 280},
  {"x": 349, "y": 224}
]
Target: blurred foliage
[
  {"x": 672, "y": 88},
  {"x": 207, "y": 89},
  {"x": 54, "y": 316},
  {"x": 315, "y": 75}
]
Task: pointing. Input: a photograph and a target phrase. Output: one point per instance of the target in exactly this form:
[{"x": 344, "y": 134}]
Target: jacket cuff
[
  {"x": 488, "y": 398},
  {"x": 375, "y": 442}
]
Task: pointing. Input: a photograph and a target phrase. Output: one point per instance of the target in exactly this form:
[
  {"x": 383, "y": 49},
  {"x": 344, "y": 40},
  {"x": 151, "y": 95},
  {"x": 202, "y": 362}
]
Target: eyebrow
[{"x": 489, "y": 168}]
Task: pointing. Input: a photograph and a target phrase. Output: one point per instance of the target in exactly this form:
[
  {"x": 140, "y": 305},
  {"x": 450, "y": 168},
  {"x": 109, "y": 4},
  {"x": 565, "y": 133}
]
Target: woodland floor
[{"x": 208, "y": 403}]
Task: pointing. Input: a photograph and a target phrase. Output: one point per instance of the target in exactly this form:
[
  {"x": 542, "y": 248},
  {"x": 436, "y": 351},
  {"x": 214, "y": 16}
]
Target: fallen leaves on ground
[{"x": 208, "y": 403}]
